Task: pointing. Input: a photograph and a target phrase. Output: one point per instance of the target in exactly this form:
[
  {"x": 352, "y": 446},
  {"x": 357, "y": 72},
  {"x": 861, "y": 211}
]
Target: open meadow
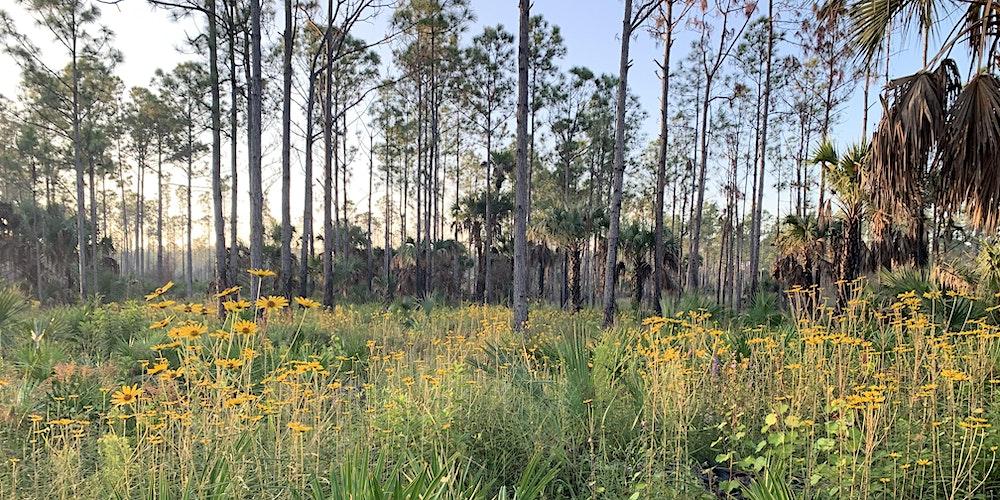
[
  {"x": 500, "y": 249},
  {"x": 892, "y": 398}
]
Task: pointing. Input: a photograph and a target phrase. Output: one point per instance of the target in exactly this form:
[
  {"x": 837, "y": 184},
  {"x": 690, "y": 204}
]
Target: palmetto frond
[
  {"x": 873, "y": 20},
  {"x": 970, "y": 154},
  {"x": 914, "y": 120}
]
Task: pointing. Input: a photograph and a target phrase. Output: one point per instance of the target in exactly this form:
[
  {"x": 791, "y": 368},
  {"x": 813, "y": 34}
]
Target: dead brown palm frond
[
  {"x": 913, "y": 123},
  {"x": 951, "y": 277},
  {"x": 969, "y": 174}
]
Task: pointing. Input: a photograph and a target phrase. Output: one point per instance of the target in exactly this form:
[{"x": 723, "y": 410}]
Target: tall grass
[{"x": 886, "y": 397}]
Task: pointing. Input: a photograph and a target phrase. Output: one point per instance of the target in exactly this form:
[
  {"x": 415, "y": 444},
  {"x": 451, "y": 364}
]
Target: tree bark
[
  {"x": 286, "y": 158},
  {"x": 234, "y": 245},
  {"x": 218, "y": 223},
  {"x": 755, "y": 222},
  {"x": 661, "y": 163},
  {"x": 618, "y": 168},
  {"x": 328, "y": 148},
  {"x": 254, "y": 129},
  {"x": 81, "y": 241},
  {"x": 307, "y": 202},
  {"x": 521, "y": 179},
  {"x": 159, "y": 208}
]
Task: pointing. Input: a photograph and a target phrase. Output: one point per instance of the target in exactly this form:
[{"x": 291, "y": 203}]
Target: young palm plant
[
  {"x": 637, "y": 242},
  {"x": 843, "y": 173},
  {"x": 570, "y": 227}
]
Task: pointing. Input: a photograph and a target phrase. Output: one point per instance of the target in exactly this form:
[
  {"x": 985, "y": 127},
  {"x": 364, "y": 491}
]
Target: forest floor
[{"x": 160, "y": 399}]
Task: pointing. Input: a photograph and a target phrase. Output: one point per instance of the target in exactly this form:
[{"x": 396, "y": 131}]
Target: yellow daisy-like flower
[
  {"x": 161, "y": 365},
  {"x": 160, "y": 291},
  {"x": 245, "y": 327},
  {"x": 272, "y": 303},
  {"x": 192, "y": 308},
  {"x": 196, "y": 330},
  {"x": 231, "y": 363},
  {"x": 127, "y": 395},
  {"x": 262, "y": 273},
  {"x": 306, "y": 303},
  {"x": 163, "y": 347},
  {"x": 299, "y": 427},
  {"x": 229, "y": 291},
  {"x": 163, "y": 304},
  {"x": 161, "y": 324},
  {"x": 234, "y": 306}
]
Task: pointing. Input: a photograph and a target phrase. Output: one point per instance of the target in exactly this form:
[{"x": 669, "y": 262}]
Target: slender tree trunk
[
  {"x": 218, "y": 223},
  {"x": 699, "y": 201},
  {"x": 338, "y": 234},
  {"x": 370, "y": 268},
  {"x": 188, "y": 254},
  {"x": 488, "y": 245},
  {"x": 254, "y": 129},
  {"x": 307, "y": 203},
  {"x": 618, "y": 168},
  {"x": 755, "y": 218},
  {"x": 286, "y": 154},
  {"x": 139, "y": 205},
  {"x": 574, "y": 279},
  {"x": 387, "y": 246},
  {"x": 159, "y": 209},
  {"x": 94, "y": 249},
  {"x": 234, "y": 245},
  {"x": 125, "y": 233},
  {"x": 661, "y": 162},
  {"x": 36, "y": 226},
  {"x": 81, "y": 241},
  {"x": 521, "y": 187},
  {"x": 328, "y": 148},
  {"x": 458, "y": 163}
]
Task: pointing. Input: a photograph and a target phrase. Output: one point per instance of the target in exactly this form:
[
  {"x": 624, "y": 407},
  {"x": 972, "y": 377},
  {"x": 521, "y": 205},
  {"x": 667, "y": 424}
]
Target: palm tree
[
  {"x": 570, "y": 227},
  {"x": 637, "y": 241},
  {"x": 800, "y": 245},
  {"x": 937, "y": 136},
  {"x": 470, "y": 216},
  {"x": 843, "y": 174}
]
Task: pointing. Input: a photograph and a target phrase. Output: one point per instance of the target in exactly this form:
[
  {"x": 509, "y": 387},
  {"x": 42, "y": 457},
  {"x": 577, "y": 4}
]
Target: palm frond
[
  {"x": 913, "y": 123},
  {"x": 970, "y": 154}
]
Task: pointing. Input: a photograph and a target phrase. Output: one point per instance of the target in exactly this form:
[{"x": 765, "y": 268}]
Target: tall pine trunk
[
  {"x": 307, "y": 202},
  {"x": 521, "y": 179},
  {"x": 755, "y": 218},
  {"x": 286, "y": 160},
  {"x": 661, "y": 163},
  {"x": 81, "y": 240},
  {"x": 618, "y": 168},
  {"x": 234, "y": 253},
  {"x": 328, "y": 167},
  {"x": 254, "y": 130}
]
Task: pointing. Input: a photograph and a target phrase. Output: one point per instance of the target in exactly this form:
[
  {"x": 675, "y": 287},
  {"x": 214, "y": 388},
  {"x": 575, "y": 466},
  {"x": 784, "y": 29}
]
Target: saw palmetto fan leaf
[
  {"x": 914, "y": 119},
  {"x": 969, "y": 175},
  {"x": 874, "y": 19}
]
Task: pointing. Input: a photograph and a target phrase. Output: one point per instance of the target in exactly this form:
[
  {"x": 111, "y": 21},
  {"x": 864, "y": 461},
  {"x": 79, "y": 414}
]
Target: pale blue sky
[{"x": 149, "y": 39}]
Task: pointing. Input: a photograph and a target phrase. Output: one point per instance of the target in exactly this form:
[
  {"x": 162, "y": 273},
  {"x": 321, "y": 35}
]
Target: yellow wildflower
[
  {"x": 128, "y": 394},
  {"x": 229, "y": 291},
  {"x": 262, "y": 273},
  {"x": 272, "y": 303},
  {"x": 160, "y": 291},
  {"x": 245, "y": 327},
  {"x": 306, "y": 303}
]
